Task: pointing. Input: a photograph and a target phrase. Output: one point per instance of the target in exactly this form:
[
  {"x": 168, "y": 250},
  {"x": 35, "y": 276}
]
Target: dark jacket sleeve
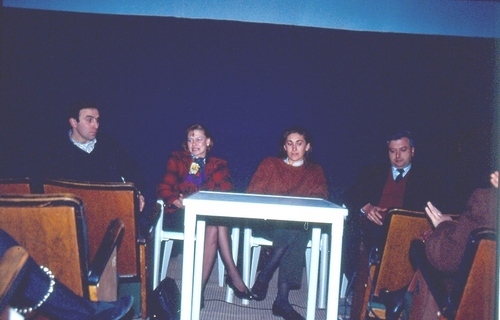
[{"x": 367, "y": 188}]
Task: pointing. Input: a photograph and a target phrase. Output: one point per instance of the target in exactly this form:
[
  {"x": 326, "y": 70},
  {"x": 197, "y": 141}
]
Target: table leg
[
  {"x": 187, "y": 264},
  {"x": 313, "y": 274},
  {"x": 334, "y": 278},
  {"x": 198, "y": 268}
]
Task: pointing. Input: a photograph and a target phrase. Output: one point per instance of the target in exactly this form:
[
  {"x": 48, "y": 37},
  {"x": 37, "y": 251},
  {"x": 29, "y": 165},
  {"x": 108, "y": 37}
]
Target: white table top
[{"x": 258, "y": 206}]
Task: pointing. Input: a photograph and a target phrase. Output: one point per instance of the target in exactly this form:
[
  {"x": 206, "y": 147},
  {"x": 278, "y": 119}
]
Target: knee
[{"x": 211, "y": 233}]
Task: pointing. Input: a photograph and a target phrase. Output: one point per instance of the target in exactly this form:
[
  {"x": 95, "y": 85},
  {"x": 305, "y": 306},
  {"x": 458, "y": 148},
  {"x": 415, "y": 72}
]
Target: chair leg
[
  {"x": 323, "y": 272},
  {"x": 235, "y": 241},
  {"x": 221, "y": 269},
  {"x": 157, "y": 247},
  {"x": 308, "y": 263},
  {"x": 254, "y": 264},
  {"x": 167, "y": 251}
]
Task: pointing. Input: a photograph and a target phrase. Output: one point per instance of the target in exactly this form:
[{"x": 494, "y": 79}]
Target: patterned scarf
[{"x": 196, "y": 171}]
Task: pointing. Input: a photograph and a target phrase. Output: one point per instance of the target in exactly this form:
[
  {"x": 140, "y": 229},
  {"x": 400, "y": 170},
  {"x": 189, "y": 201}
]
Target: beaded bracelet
[{"x": 45, "y": 297}]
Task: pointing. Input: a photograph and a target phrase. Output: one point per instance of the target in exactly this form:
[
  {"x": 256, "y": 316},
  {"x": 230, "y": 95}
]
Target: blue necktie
[{"x": 400, "y": 175}]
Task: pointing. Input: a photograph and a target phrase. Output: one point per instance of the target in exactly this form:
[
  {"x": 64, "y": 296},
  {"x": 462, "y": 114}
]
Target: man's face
[
  {"x": 400, "y": 152},
  {"x": 86, "y": 128}
]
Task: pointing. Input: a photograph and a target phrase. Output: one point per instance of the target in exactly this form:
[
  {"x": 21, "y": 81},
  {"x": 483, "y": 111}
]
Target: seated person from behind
[
  {"x": 445, "y": 245},
  {"x": 39, "y": 291},
  {"x": 82, "y": 156}
]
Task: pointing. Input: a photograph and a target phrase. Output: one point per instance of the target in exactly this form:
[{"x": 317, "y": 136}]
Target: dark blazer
[
  {"x": 422, "y": 186},
  {"x": 107, "y": 162}
]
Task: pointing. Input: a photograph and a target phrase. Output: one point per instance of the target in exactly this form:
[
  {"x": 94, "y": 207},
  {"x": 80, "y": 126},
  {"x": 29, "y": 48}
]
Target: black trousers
[{"x": 292, "y": 237}]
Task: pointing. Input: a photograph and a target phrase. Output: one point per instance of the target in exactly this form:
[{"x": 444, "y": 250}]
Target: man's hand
[
  {"x": 494, "y": 179},
  {"x": 142, "y": 202},
  {"x": 374, "y": 214},
  {"x": 435, "y": 215}
]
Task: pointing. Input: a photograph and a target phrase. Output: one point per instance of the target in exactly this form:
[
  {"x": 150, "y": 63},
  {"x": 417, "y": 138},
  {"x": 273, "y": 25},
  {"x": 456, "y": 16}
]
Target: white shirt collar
[
  {"x": 395, "y": 171},
  {"x": 295, "y": 164},
  {"x": 86, "y": 146}
]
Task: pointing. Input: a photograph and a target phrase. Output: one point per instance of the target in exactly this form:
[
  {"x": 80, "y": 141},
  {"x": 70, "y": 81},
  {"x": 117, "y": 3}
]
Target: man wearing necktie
[{"x": 399, "y": 183}]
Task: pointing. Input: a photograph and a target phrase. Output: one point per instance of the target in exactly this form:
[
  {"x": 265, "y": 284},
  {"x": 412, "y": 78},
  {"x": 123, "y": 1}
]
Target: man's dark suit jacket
[{"x": 422, "y": 186}]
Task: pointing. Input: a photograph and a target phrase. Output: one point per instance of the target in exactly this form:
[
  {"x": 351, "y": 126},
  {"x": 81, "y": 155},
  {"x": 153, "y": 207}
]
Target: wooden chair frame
[
  {"x": 15, "y": 186},
  {"x": 105, "y": 201},
  {"x": 394, "y": 270},
  {"x": 11, "y": 266},
  {"x": 472, "y": 294},
  {"x": 52, "y": 228}
]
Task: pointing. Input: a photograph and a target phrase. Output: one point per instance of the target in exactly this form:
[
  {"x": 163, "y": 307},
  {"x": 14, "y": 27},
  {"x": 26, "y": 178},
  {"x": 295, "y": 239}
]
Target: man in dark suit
[
  {"x": 82, "y": 156},
  {"x": 399, "y": 183}
]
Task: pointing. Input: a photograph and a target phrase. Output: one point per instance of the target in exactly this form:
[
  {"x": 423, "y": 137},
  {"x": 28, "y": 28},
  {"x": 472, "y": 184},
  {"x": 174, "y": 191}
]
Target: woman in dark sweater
[
  {"x": 187, "y": 172},
  {"x": 289, "y": 175}
]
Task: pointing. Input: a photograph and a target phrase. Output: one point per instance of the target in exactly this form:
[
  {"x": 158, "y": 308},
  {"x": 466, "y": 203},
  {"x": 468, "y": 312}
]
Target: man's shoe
[
  {"x": 393, "y": 302},
  {"x": 114, "y": 310},
  {"x": 287, "y": 314},
  {"x": 259, "y": 290}
]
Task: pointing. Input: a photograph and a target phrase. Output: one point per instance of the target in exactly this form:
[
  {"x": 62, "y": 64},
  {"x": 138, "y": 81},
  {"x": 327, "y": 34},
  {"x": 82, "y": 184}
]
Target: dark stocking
[
  {"x": 272, "y": 264},
  {"x": 227, "y": 258},
  {"x": 209, "y": 253},
  {"x": 282, "y": 297}
]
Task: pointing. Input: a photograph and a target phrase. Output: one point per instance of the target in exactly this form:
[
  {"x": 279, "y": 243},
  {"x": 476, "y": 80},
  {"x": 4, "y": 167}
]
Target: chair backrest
[
  {"x": 106, "y": 201},
  {"x": 395, "y": 268},
  {"x": 52, "y": 229},
  {"x": 15, "y": 186},
  {"x": 11, "y": 265},
  {"x": 474, "y": 293}
]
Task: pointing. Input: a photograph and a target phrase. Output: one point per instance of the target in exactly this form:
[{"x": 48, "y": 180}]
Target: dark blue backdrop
[{"x": 154, "y": 76}]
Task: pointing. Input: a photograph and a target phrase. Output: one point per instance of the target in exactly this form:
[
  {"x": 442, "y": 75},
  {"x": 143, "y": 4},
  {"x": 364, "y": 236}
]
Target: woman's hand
[
  {"x": 178, "y": 202},
  {"x": 435, "y": 215},
  {"x": 494, "y": 179}
]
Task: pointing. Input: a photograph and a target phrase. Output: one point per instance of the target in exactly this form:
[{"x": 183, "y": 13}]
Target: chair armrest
[
  {"x": 111, "y": 240},
  {"x": 11, "y": 270}
]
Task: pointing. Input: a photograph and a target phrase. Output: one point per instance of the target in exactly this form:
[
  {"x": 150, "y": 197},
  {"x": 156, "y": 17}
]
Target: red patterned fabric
[
  {"x": 274, "y": 176},
  {"x": 217, "y": 178}
]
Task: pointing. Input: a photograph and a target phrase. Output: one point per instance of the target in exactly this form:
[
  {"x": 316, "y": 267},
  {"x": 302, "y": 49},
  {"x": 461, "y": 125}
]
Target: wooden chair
[
  {"x": 52, "y": 229},
  {"x": 15, "y": 186},
  {"x": 11, "y": 265},
  {"x": 394, "y": 270},
  {"x": 104, "y": 202},
  {"x": 472, "y": 294}
]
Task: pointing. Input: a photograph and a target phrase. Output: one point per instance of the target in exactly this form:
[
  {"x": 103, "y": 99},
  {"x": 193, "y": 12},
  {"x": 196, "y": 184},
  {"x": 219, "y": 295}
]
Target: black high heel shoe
[
  {"x": 259, "y": 290},
  {"x": 239, "y": 294}
]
